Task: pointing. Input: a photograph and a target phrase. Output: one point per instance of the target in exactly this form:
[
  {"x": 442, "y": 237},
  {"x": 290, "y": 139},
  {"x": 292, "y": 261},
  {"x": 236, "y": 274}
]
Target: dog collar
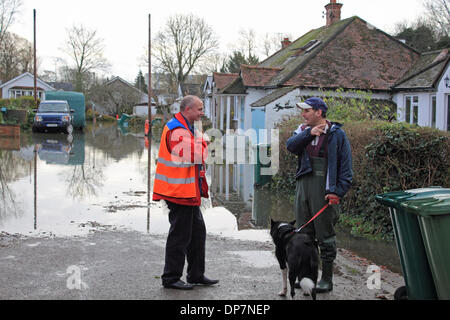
[{"x": 283, "y": 225}]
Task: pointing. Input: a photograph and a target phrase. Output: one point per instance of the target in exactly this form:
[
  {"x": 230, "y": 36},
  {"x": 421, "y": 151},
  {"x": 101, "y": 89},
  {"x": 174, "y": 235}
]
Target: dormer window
[{"x": 312, "y": 44}]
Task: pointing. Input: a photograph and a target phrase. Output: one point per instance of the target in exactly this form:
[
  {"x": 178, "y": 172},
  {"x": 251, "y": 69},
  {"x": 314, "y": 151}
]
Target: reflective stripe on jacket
[{"x": 175, "y": 176}]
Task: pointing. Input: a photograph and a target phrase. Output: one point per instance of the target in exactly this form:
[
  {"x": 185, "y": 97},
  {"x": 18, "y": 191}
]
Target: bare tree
[
  {"x": 271, "y": 42},
  {"x": 438, "y": 12},
  {"x": 16, "y": 56},
  {"x": 247, "y": 42},
  {"x": 182, "y": 45},
  {"x": 86, "y": 50},
  {"x": 8, "y": 11},
  {"x": 116, "y": 96}
]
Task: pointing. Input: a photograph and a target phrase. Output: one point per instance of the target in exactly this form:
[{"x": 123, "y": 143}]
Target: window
[
  {"x": 16, "y": 93},
  {"x": 412, "y": 109},
  {"x": 236, "y": 109},
  {"x": 433, "y": 111}
]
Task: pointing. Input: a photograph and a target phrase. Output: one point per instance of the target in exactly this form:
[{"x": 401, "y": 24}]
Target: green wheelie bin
[
  {"x": 434, "y": 219},
  {"x": 413, "y": 258}
]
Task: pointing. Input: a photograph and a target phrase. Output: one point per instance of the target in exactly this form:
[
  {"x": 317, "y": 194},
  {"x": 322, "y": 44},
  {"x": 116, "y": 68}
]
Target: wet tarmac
[{"x": 82, "y": 202}]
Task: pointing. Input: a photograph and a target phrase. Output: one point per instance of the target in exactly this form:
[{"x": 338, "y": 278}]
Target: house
[
  {"x": 193, "y": 85},
  {"x": 222, "y": 107},
  {"x": 23, "y": 85},
  {"x": 117, "y": 94},
  {"x": 423, "y": 94},
  {"x": 349, "y": 54},
  {"x": 62, "y": 86}
]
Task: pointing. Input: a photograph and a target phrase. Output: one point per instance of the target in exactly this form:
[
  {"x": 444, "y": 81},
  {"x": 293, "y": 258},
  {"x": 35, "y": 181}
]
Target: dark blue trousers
[{"x": 186, "y": 240}]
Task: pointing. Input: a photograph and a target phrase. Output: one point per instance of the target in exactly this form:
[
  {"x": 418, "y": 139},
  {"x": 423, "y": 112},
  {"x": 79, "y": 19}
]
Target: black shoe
[
  {"x": 180, "y": 285},
  {"x": 204, "y": 281}
]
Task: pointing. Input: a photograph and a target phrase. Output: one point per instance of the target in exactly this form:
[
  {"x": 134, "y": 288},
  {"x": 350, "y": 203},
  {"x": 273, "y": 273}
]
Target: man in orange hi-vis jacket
[{"x": 180, "y": 181}]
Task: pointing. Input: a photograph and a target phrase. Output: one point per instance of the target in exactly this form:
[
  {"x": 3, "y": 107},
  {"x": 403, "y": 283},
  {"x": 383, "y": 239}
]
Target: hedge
[
  {"x": 386, "y": 157},
  {"x": 22, "y": 103},
  {"x": 19, "y": 103}
]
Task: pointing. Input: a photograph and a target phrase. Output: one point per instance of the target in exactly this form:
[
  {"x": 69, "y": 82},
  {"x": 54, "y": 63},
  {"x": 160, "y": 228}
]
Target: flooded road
[
  {"x": 93, "y": 180},
  {"x": 55, "y": 186}
]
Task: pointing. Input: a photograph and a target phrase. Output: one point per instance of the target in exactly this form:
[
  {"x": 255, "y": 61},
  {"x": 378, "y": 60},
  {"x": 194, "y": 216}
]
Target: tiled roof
[
  {"x": 272, "y": 97},
  {"x": 358, "y": 57},
  {"x": 425, "y": 73},
  {"x": 302, "y": 50},
  {"x": 192, "y": 89},
  {"x": 349, "y": 54},
  {"x": 257, "y": 76},
  {"x": 224, "y": 79}
]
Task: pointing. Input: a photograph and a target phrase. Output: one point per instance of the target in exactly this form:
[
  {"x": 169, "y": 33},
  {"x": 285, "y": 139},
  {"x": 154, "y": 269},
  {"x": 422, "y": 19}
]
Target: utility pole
[
  {"x": 35, "y": 58},
  {"x": 149, "y": 135},
  {"x": 35, "y": 103}
]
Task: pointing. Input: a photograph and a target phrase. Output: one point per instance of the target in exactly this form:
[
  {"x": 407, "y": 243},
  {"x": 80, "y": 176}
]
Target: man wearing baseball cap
[{"x": 324, "y": 176}]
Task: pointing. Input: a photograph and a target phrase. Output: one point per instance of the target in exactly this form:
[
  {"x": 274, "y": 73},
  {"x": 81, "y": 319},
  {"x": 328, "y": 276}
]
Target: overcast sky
[{"x": 124, "y": 24}]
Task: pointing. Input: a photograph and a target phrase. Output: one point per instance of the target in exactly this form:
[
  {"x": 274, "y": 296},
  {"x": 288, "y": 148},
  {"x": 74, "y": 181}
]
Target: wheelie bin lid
[
  {"x": 437, "y": 205},
  {"x": 395, "y": 199}
]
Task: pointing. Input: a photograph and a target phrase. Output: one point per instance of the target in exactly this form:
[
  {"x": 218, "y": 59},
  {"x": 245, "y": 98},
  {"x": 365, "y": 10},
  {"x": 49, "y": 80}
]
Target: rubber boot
[{"x": 326, "y": 282}]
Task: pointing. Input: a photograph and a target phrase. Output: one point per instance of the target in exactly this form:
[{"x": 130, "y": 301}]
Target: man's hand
[
  {"x": 318, "y": 130},
  {"x": 332, "y": 199}
]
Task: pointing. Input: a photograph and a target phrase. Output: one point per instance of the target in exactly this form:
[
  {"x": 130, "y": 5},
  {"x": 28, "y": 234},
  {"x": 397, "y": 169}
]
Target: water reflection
[
  {"x": 55, "y": 182},
  {"x": 234, "y": 187}
]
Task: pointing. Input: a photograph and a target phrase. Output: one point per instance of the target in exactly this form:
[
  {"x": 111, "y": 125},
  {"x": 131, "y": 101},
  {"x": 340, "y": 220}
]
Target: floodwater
[{"x": 59, "y": 185}]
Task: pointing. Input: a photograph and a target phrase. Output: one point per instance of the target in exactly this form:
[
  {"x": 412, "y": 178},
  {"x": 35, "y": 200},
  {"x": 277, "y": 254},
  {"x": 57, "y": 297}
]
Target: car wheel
[
  {"x": 69, "y": 129},
  {"x": 401, "y": 294}
]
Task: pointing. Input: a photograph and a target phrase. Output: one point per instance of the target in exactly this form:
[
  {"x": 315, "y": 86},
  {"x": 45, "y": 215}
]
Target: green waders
[{"x": 309, "y": 199}]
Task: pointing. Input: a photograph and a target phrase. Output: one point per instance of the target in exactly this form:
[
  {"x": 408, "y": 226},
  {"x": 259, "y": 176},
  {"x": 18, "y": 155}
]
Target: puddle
[{"x": 94, "y": 181}]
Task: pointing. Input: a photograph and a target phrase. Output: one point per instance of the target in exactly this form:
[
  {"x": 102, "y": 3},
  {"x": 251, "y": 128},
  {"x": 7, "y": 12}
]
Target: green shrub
[
  {"x": 357, "y": 105},
  {"x": 19, "y": 103},
  {"x": 105, "y": 117},
  {"x": 397, "y": 157},
  {"x": 90, "y": 114}
]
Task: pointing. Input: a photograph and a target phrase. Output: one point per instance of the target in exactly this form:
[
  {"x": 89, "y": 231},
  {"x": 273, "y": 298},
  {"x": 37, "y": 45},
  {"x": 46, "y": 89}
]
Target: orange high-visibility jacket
[{"x": 176, "y": 174}]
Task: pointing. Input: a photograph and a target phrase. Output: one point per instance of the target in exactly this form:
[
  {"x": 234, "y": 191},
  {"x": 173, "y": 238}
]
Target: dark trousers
[{"x": 186, "y": 240}]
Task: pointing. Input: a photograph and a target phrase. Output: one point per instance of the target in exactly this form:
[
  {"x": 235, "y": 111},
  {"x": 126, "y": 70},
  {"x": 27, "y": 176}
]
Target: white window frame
[
  {"x": 433, "y": 106},
  {"x": 411, "y": 109}
]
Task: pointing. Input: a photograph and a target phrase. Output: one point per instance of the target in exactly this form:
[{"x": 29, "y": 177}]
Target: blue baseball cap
[{"x": 313, "y": 103}]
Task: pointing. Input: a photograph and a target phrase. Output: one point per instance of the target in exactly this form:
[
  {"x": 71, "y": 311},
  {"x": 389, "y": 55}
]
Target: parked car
[
  {"x": 53, "y": 115},
  {"x": 76, "y": 101}
]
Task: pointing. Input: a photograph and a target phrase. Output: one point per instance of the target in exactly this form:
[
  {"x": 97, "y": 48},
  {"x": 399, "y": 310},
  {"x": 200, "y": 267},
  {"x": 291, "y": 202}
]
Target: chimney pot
[
  {"x": 333, "y": 12},
  {"x": 286, "y": 42}
]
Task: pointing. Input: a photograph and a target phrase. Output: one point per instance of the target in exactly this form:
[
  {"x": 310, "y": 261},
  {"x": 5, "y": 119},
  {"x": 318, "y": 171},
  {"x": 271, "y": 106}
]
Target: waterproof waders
[{"x": 309, "y": 199}]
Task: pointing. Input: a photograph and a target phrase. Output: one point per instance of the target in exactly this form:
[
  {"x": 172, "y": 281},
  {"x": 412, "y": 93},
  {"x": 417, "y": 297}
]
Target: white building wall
[
  {"x": 425, "y": 107},
  {"x": 425, "y": 104},
  {"x": 253, "y": 95},
  {"x": 273, "y": 116},
  {"x": 26, "y": 81},
  {"x": 142, "y": 111},
  {"x": 442, "y": 102}
]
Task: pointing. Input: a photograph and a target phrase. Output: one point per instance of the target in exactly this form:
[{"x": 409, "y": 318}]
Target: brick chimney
[
  {"x": 333, "y": 12},
  {"x": 285, "y": 43}
]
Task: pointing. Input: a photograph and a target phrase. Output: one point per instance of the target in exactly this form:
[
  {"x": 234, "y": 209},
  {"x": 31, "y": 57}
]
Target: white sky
[{"x": 124, "y": 24}]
